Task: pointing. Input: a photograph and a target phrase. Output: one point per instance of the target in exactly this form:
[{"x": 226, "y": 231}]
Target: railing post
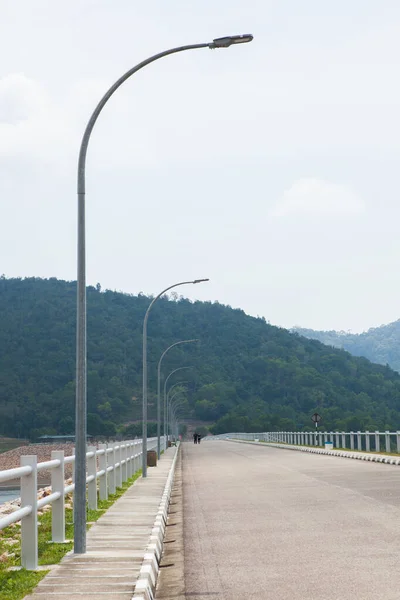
[
  {"x": 343, "y": 439},
  {"x": 58, "y": 506},
  {"x": 337, "y": 444},
  {"x": 123, "y": 463},
  {"x": 325, "y": 436},
  {"x": 29, "y": 524},
  {"x": 103, "y": 484},
  {"x": 398, "y": 441},
  {"x": 320, "y": 439},
  {"x": 377, "y": 442},
  {"x": 112, "y": 477},
  {"x": 387, "y": 441},
  {"x": 367, "y": 442},
  {"x": 359, "y": 442},
  {"x": 351, "y": 440},
  {"x": 129, "y": 458},
  {"x": 92, "y": 485},
  {"x": 119, "y": 472},
  {"x": 127, "y": 461}
]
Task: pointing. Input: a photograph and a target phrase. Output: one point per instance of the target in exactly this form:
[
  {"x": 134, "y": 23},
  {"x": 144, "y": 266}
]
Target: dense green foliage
[
  {"x": 378, "y": 344},
  {"x": 247, "y": 375}
]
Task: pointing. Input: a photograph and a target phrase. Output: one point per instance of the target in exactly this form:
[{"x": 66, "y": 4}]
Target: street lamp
[
  {"x": 159, "y": 391},
  {"x": 144, "y": 416},
  {"x": 165, "y": 399},
  {"x": 81, "y": 357},
  {"x": 174, "y": 407}
]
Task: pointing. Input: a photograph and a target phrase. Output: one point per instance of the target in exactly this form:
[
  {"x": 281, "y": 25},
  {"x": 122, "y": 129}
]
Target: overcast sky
[{"x": 272, "y": 168}]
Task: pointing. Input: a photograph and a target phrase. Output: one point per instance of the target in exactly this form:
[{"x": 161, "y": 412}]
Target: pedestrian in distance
[
  {"x": 195, "y": 438},
  {"x": 198, "y": 438}
]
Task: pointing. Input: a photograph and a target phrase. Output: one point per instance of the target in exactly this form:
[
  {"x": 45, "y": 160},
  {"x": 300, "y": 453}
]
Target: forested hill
[
  {"x": 247, "y": 375},
  {"x": 378, "y": 344}
]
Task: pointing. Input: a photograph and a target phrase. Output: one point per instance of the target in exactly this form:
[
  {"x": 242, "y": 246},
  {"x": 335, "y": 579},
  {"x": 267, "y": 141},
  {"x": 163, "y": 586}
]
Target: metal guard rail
[
  {"x": 110, "y": 465},
  {"x": 367, "y": 441}
]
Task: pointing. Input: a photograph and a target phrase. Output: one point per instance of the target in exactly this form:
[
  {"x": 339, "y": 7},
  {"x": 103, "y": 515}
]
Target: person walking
[{"x": 195, "y": 437}]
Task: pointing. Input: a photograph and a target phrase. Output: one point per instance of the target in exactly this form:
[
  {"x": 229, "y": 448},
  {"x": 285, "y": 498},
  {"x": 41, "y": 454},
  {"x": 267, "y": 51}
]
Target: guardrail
[
  {"x": 367, "y": 441},
  {"x": 109, "y": 465}
]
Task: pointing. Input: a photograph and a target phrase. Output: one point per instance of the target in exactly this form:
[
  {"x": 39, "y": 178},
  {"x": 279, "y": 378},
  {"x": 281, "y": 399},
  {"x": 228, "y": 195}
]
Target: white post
[
  {"x": 367, "y": 444},
  {"x": 58, "y": 506},
  {"x": 387, "y": 441},
  {"x": 29, "y": 524},
  {"x": 359, "y": 442},
  {"x": 126, "y": 461},
  {"x": 343, "y": 439},
  {"x": 398, "y": 441},
  {"x": 351, "y": 440},
  {"x": 123, "y": 463},
  {"x": 119, "y": 469},
  {"x": 103, "y": 486},
  {"x": 129, "y": 458},
  {"x": 325, "y": 437},
  {"x": 112, "y": 481},
  {"x": 92, "y": 485},
  {"x": 337, "y": 444},
  {"x": 377, "y": 442}
]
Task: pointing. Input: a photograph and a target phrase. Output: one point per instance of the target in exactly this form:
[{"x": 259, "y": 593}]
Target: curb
[
  {"x": 147, "y": 581},
  {"x": 378, "y": 458}
]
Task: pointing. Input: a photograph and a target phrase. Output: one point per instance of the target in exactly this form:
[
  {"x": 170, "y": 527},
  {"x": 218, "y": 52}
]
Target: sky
[{"x": 270, "y": 168}]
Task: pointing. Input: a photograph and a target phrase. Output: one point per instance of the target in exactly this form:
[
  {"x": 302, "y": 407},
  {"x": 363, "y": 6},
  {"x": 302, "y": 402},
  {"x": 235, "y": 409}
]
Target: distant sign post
[{"x": 316, "y": 418}]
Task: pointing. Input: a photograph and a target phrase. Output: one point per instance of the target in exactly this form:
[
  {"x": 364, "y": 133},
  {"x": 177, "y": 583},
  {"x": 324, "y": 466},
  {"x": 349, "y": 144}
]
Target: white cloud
[
  {"x": 31, "y": 123},
  {"x": 316, "y": 196}
]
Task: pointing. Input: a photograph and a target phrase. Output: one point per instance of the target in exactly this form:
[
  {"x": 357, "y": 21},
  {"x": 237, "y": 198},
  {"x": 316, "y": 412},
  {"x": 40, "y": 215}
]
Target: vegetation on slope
[
  {"x": 247, "y": 375},
  {"x": 378, "y": 344}
]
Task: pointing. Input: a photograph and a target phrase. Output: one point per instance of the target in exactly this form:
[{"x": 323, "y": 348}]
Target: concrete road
[{"x": 276, "y": 524}]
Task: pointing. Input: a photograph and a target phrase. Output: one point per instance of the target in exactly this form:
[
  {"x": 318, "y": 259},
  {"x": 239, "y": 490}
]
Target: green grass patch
[{"x": 15, "y": 585}]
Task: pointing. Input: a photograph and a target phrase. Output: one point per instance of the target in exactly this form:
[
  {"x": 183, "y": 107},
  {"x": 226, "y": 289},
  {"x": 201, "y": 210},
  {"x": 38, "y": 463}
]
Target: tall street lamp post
[
  {"x": 159, "y": 391},
  {"x": 146, "y": 317},
  {"x": 174, "y": 408},
  {"x": 165, "y": 400},
  {"x": 81, "y": 365}
]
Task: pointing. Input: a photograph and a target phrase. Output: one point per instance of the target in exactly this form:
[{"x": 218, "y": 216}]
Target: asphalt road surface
[{"x": 276, "y": 524}]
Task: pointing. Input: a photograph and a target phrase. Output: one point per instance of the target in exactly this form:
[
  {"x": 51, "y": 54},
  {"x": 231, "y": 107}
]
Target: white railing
[
  {"x": 367, "y": 441},
  {"x": 117, "y": 462}
]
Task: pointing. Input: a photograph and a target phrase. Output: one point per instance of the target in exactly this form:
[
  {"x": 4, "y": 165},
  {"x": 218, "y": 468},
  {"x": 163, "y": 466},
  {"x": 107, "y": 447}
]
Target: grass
[{"x": 16, "y": 584}]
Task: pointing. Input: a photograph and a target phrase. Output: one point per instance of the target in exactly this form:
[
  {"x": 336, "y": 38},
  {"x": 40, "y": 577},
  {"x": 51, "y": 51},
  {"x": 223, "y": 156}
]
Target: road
[{"x": 276, "y": 524}]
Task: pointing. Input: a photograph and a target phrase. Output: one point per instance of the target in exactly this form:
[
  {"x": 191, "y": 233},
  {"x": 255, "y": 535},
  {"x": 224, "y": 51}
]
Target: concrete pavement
[{"x": 265, "y": 523}]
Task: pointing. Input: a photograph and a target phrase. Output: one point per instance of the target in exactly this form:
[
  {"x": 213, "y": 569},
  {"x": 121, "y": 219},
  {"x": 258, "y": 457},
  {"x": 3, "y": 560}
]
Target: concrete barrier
[
  {"x": 147, "y": 581},
  {"x": 388, "y": 460}
]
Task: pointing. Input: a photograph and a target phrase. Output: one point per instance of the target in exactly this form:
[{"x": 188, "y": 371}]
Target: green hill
[
  {"x": 248, "y": 374},
  {"x": 378, "y": 344}
]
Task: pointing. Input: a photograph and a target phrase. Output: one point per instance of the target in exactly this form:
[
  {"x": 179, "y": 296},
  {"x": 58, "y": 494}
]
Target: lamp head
[{"x": 229, "y": 40}]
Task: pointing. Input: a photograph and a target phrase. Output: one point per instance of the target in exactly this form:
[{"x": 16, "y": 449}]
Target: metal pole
[
  {"x": 170, "y": 407},
  {"x": 146, "y": 317},
  {"x": 165, "y": 399},
  {"x": 159, "y": 391},
  {"x": 81, "y": 367}
]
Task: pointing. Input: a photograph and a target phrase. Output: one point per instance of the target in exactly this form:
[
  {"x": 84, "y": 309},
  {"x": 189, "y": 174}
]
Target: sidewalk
[{"x": 116, "y": 545}]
